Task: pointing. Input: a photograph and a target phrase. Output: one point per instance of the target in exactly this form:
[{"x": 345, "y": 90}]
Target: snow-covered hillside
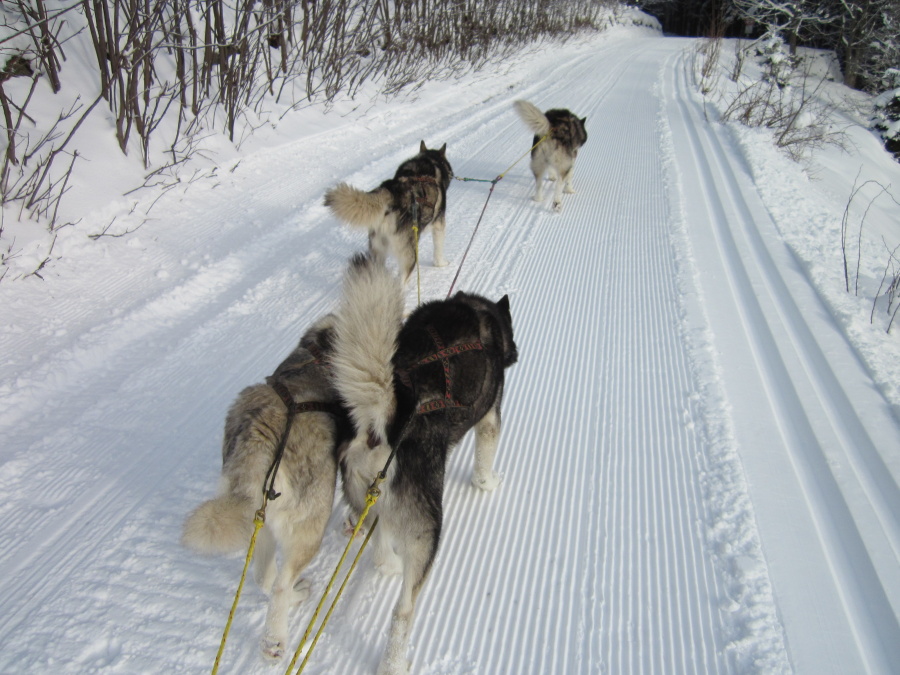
[{"x": 701, "y": 444}]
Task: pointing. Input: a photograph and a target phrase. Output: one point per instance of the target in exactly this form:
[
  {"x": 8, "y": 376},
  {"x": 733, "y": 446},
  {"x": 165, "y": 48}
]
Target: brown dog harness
[
  {"x": 443, "y": 354},
  {"x": 294, "y": 408},
  {"x": 421, "y": 201}
]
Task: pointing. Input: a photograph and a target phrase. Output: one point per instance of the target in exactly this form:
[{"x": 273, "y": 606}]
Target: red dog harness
[{"x": 443, "y": 354}]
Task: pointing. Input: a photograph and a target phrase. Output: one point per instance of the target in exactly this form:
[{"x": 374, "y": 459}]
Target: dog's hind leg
[
  {"x": 264, "y": 560},
  {"x": 538, "y": 167},
  {"x": 417, "y": 550},
  {"x": 386, "y": 559},
  {"x": 437, "y": 237},
  {"x": 289, "y": 588},
  {"x": 569, "y": 190},
  {"x": 561, "y": 180},
  {"x": 487, "y": 435}
]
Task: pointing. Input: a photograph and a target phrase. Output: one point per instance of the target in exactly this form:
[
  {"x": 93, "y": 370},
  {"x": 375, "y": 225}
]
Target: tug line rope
[{"x": 484, "y": 208}]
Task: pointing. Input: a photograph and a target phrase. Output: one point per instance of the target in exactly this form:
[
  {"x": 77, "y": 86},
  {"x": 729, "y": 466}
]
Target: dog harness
[
  {"x": 443, "y": 354},
  {"x": 294, "y": 408},
  {"x": 420, "y": 201}
]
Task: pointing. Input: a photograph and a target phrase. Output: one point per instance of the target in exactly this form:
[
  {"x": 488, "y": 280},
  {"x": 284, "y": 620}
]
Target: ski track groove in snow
[{"x": 777, "y": 345}]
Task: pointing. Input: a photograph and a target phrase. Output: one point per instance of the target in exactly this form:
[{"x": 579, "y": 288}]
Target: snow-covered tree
[
  {"x": 790, "y": 19},
  {"x": 864, "y": 33}
]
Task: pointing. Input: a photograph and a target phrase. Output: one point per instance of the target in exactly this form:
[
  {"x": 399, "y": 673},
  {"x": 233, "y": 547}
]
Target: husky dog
[
  {"x": 415, "y": 388},
  {"x": 304, "y": 481},
  {"x": 558, "y": 152},
  {"x": 416, "y": 195}
]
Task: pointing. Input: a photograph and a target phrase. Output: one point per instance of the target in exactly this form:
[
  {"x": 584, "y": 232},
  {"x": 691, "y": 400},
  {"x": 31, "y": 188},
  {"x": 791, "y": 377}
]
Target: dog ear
[
  {"x": 503, "y": 304},
  {"x": 443, "y": 150},
  {"x": 583, "y": 120},
  {"x": 422, "y": 147}
]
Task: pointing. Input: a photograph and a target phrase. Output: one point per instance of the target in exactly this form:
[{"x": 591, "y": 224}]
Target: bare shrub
[
  {"x": 891, "y": 296},
  {"x": 792, "y": 106},
  {"x": 888, "y": 293},
  {"x": 710, "y": 52}
]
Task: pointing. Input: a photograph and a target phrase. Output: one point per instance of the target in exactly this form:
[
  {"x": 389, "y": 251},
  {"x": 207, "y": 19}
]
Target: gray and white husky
[
  {"x": 416, "y": 388},
  {"x": 416, "y": 195},
  {"x": 558, "y": 152},
  {"x": 304, "y": 481}
]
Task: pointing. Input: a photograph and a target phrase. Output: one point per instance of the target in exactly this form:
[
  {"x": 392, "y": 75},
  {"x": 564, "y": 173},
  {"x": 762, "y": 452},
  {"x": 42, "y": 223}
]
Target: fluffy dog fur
[
  {"x": 417, "y": 387},
  {"x": 296, "y": 520},
  {"x": 558, "y": 152},
  {"x": 417, "y": 192}
]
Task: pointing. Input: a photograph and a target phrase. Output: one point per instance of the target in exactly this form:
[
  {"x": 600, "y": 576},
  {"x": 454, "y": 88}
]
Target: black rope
[
  {"x": 288, "y": 400},
  {"x": 292, "y": 409}
]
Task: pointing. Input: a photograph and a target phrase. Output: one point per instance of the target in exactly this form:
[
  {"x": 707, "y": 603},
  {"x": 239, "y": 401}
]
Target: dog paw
[
  {"x": 570, "y": 190},
  {"x": 488, "y": 483},
  {"x": 393, "y": 667},
  {"x": 557, "y": 206},
  {"x": 272, "y": 648},
  {"x": 441, "y": 263},
  {"x": 537, "y": 198}
]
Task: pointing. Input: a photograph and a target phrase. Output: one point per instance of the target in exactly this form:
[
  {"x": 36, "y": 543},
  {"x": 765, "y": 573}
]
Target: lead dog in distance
[
  {"x": 416, "y": 195},
  {"x": 417, "y": 388},
  {"x": 558, "y": 152},
  {"x": 304, "y": 481}
]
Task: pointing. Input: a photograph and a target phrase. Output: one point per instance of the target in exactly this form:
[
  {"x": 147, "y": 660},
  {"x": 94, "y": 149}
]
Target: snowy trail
[{"x": 668, "y": 344}]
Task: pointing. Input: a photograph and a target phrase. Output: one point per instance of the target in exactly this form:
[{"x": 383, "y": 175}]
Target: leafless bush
[
  {"x": 888, "y": 293},
  {"x": 801, "y": 118},
  {"x": 710, "y": 51},
  {"x": 891, "y": 296},
  {"x": 845, "y": 227},
  {"x": 740, "y": 57},
  {"x": 37, "y": 182}
]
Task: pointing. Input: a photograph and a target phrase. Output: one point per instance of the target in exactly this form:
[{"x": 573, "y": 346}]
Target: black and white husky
[
  {"x": 416, "y": 195},
  {"x": 417, "y": 388},
  {"x": 558, "y": 152},
  {"x": 305, "y": 479}
]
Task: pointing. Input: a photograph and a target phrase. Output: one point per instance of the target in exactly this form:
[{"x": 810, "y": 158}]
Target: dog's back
[
  {"x": 450, "y": 358},
  {"x": 428, "y": 163},
  {"x": 419, "y": 188},
  {"x": 566, "y": 129}
]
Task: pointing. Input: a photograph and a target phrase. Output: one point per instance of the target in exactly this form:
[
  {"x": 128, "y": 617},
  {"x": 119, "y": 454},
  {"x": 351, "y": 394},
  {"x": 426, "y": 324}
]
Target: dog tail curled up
[
  {"x": 357, "y": 207},
  {"x": 366, "y": 326},
  {"x": 534, "y": 119},
  {"x": 219, "y": 526}
]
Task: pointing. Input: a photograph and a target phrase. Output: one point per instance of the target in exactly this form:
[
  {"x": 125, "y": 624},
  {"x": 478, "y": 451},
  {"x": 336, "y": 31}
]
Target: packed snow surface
[{"x": 700, "y": 450}]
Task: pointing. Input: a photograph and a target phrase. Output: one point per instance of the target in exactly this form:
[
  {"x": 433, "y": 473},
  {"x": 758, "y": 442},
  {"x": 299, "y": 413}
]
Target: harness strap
[
  {"x": 293, "y": 408},
  {"x": 443, "y": 354},
  {"x": 420, "y": 200},
  {"x": 318, "y": 356}
]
